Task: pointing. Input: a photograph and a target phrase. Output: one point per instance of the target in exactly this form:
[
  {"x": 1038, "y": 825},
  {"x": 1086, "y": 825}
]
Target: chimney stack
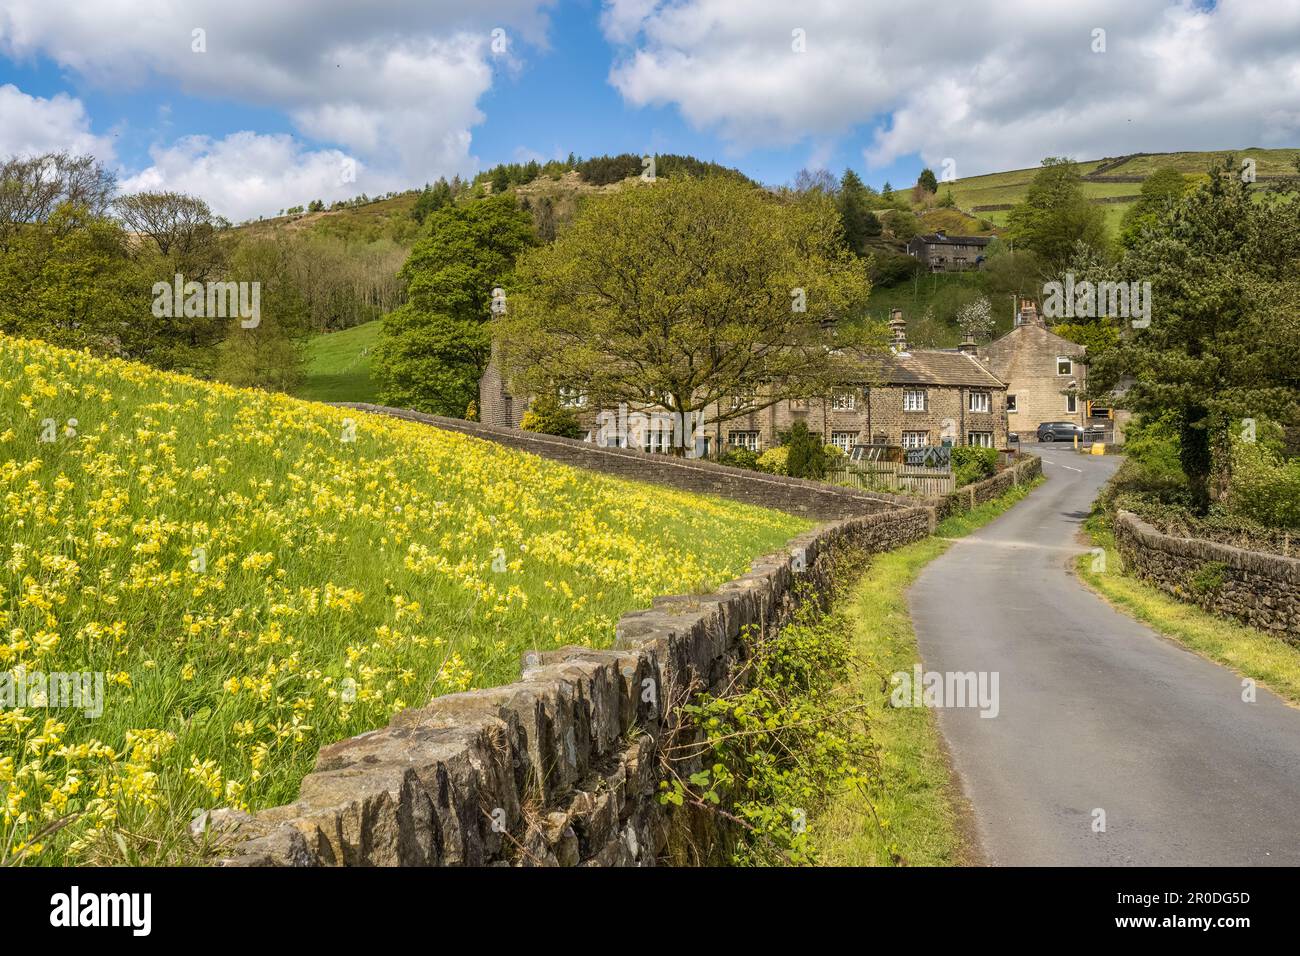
[
  {"x": 1028, "y": 313},
  {"x": 898, "y": 329},
  {"x": 968, "y": 345}
]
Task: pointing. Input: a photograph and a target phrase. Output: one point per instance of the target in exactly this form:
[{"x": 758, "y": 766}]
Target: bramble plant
[{"x": 779, "y": 744}]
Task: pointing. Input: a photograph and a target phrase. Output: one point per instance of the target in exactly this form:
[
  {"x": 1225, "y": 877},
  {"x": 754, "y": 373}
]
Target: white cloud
[
  {"x": 395, "y": 84},
  {"x": 995, "y": 87},
  {"x": 247, "y": 174},
  {"x": 33, "y": 125}
]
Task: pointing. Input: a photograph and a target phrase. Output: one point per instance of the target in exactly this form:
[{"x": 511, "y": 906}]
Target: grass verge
[
  {"x": 912, "y": 816},
  {"x": 1246, "y": 650}
]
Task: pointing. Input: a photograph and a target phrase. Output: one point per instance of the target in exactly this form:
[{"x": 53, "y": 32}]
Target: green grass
[
  {"x": 1010, "y": 186},
  {"x": 256, "y": 576},
  {"x": 913, "y": 817},
  {"x": 1250, "y": 652},
  {"x": 338, "y": 366}
]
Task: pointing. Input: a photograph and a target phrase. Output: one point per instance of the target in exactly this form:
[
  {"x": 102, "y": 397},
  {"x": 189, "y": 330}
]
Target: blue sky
[{"x": 285, "y": 95}]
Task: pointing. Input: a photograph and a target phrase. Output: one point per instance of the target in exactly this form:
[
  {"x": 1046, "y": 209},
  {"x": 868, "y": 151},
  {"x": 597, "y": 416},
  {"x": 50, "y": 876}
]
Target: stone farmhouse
[
  {"x": 912, "y": 398},
  {"x": 1046, "y": 378},
  {"x": 941, "y": 252}
]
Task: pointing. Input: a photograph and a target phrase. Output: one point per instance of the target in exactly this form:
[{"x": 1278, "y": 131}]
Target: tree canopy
[
  {"x": 684, "y": 293},
  {"x": 433, "y": 348},
  {"x": 1224, "y": 338},
  {"x": 1055, "y": 214}
]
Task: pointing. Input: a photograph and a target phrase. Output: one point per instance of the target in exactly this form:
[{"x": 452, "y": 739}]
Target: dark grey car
[{"x": 1059, "y": 431}]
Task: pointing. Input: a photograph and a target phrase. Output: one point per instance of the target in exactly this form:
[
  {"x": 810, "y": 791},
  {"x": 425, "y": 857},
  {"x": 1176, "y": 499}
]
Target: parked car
[{"x": 1060, "y": 431}]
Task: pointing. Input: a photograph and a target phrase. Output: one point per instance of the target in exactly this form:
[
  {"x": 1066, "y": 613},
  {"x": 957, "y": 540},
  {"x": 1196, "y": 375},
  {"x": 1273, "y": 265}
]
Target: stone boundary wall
[
  {"x": 1260, "y": 589},
  {"x": 813, "y": 499},
  {"x": 964, "y": 499},
  {"x": 562, "y": 766}
]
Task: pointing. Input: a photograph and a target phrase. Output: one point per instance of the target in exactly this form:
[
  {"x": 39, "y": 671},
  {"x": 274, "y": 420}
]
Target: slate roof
[
  {"x": 934, "y": 238},
  {"x": 930, "y": 367}
]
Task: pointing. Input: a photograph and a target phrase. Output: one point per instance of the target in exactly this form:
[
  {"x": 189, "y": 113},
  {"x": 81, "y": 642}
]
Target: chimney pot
[{"x": 898, "y": 327}]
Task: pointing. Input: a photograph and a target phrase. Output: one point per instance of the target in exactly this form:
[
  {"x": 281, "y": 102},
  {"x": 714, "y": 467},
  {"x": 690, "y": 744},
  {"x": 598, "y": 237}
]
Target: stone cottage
[
  {"x": 1044, "y": 373},
  {"x": 941, "y": 252},
  {"x": 912, "y": 398}
]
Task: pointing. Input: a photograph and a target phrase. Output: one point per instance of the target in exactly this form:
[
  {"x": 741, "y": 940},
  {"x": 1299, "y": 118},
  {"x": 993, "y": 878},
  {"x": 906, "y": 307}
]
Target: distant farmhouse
[{"x": 941, "y": 252}]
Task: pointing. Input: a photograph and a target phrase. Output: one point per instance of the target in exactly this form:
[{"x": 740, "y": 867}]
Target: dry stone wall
[
  {"x": 812, "y": 499},
  {"x": 1262, "y": 590},
  {"x": 562, "y": 766}
]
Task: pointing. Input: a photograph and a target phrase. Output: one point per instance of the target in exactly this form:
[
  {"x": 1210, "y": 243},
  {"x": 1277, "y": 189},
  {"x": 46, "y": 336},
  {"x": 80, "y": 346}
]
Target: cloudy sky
[{"x": 261, "y": 104}]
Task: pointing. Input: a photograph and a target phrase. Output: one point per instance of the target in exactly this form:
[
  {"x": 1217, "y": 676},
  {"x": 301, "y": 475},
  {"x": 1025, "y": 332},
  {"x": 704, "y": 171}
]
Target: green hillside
[
  {"x": 1005, "y": 188},
  {"x": 253, "y": 576},
  {"x": 338, "y": 365}
]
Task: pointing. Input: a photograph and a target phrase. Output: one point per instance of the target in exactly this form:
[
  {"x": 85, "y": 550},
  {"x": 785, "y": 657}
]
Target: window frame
[
  {"x": 571, "y": 397},
  {"x": 851, "y": 436},
  {"x": 988, "y": 402},
  {"x": 925, "y": 438},
  {"x": 844, "y": 400},
  {"x": 971, "y": 436},
  {"x": 1069, "y": 365},
  {"x": 1011, "y": 404},
  {"x": 732, "y": 443},
  {"x": 925, "y": 399}
]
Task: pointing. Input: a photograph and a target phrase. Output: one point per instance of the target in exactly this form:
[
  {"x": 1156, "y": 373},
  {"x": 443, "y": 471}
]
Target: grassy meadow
[
  {"x": 338, "y": 366},
  {"x": 256, "y": 576}
]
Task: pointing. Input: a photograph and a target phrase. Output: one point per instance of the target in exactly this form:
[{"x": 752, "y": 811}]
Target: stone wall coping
[{"x": 420, "y": 790}]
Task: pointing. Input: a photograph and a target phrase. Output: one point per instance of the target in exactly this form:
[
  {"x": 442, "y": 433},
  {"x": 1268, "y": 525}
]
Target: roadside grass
[
  {"x": 253, "y": 576},
  {"x": 1246, "y": 650},
  {"x": 912, "y": 817},
  {"x": 338, "y": 366}
]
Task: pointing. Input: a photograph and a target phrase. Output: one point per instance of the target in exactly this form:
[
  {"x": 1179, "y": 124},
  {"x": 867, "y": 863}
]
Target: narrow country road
[{"x": 1096, "y": 711}]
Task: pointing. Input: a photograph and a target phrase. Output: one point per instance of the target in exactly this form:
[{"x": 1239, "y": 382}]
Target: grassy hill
[
  {"x": 255, "y": 576},
  {"x": 1008, "y": 188},
  {"x": 338, "y": 365}
]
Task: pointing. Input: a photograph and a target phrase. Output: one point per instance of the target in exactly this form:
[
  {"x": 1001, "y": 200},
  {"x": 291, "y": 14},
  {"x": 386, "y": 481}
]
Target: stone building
[
  {"x": 908, "y": 398},
  {"x": 941, "y": 252},
  {"x": 1044, "y": 373}
]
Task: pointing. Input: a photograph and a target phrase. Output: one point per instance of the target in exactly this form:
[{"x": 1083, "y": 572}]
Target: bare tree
[
  {"x": 184, "y": 229},
  {"x": 32, "y": 187}
]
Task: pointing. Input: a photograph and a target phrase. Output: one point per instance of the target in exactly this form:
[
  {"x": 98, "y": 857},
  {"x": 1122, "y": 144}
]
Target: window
[
  {"x": 1071, "y": 403},
  {"x": 980, "y": 402},
  {"x": 916, "y": 439},
  {"x": 980, "y": 439},
  {"x": 844, "y": 401},
  {"x": 844, "y": 440},
  {"x": 747, "y": 440},
  {"x": 572, "y": 397},
  {"x": 1064, "y": 366},
  {"x": 914, "y": 400},
  {"x": 1011, "y": 404},
  {"x": 742, "y": 399}
]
